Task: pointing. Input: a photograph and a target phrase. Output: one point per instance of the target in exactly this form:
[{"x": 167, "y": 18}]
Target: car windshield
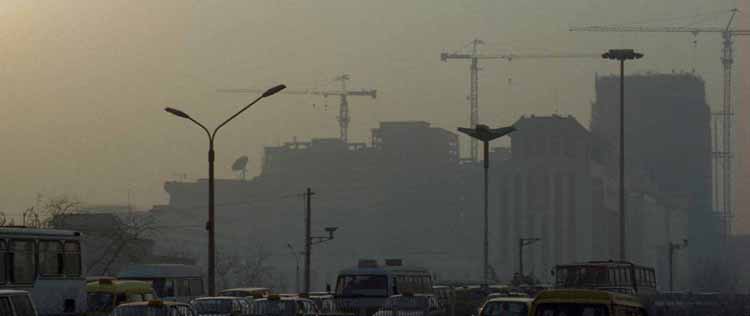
[
  {"x": 271, "y": 307},
  {"x": 572, "y": 309},
  {"x": 406, "y": 303},
  {"x": 98, "y": 302},
  {"x": 362, "y": 285},
  {"x": 209, "y": 306},
  {"x": 505, "y": 309}
]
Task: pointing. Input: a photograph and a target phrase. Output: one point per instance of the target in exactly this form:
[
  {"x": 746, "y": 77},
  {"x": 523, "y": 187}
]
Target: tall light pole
[
  {"x": 210, "y": 225},
  {"x": 485, "y": 135},
  {"x": 523, "y": 242},
  {"x": 622, "y": 55},
  {"x": 672, "y": 248},
  {"x": 296, "y": 260}
]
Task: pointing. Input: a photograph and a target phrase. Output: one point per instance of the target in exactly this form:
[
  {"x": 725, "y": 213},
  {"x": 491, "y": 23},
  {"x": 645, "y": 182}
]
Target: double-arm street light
[
  {"x": 622, "y": 55},
  {"x": 523, "y": 242},
  {"x": 296, "y": 260},
  {"x": 211, "y": 136},
  {"x": 485, "y": 135}
]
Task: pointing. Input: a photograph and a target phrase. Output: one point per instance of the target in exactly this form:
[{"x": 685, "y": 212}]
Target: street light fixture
[
  {"x": 523, "y": 242},
  {"x": 485, "y": 135},
  {"x": 622, "y": 55},
  {"x": 210, "y": 226},
  {"x": 672, "y": 248}
]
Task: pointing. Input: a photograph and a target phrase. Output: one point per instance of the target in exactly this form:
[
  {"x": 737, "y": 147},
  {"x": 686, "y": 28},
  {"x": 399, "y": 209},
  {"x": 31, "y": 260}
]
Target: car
[
  {"x": 16, "y": 303},
  {"x": 506, "y": 306},
  {"x": 412, "y": 304},
  {"x": 276, "y": 305},
  {"x": 154, "y": 308},
  {"x": 221, "y": 306}
]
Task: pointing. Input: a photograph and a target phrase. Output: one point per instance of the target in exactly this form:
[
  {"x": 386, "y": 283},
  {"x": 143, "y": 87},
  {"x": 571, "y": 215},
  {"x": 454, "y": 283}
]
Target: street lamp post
[
  {"x": 210, "y": 225},
  {"x": 672, "y": 248},
  {"x": 486, "y": 134},
  {"x": 523, "y": 242},
  {"x": 296, "y": 261},
  {"x": 622, "y": 55}
]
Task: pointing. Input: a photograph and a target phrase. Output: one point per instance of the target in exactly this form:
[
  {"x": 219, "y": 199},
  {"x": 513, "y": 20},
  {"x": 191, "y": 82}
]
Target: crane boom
[
  {"x": 474, "y": 56},
  {"x": 343, "y": 117}
]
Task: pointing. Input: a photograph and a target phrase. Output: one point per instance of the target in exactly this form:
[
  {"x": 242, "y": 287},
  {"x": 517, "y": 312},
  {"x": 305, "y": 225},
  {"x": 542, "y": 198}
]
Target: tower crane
[
  {"x": 343, "y": 117},
  {"x": 722, "y": 151},
  {"x": 474, "y": 56}
]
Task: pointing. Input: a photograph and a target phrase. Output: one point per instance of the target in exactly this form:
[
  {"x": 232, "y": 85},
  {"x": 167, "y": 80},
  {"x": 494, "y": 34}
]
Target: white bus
[
  {"x": 362, "y": 290},
  {"x": 46, "y": 263}
]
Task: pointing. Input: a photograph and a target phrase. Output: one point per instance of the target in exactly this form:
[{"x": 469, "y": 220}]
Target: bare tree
[
  {"x": 122, "y": 242},
  {"x": 243, "y": 267}
]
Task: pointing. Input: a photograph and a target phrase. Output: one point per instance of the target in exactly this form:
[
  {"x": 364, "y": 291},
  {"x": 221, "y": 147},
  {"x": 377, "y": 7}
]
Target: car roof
[
  {"x": 12, "y": 292},
  {"x": 248, "y": 289},
  {"x": 216, "y": 298},
  {"x": 511, "y": 299},
  {"x": 413, "y": 295},
  {"x": 146, "y": 303}
]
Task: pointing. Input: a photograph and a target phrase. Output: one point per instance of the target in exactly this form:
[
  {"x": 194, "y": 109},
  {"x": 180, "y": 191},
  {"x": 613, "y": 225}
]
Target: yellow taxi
[
  {"x": 575, "y": 302},
  {"x": 105, "y": 294}
]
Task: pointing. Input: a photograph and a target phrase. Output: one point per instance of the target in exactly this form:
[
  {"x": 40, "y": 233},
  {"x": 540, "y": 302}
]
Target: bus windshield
[
  {"x": 572, "y": 309},
  {"x": 406, "y": 303},
  {"x": 362, "y": 285}
]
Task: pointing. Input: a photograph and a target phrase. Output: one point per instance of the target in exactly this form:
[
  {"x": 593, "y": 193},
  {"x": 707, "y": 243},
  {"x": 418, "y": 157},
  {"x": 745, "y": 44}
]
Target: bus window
[
  {"x": 196, "y": 287},
  {"x": 50, "y": 255},
  {"x": 183, "y": 288},
  {"x": 72, "y": 258},
  {"x": 23, "y": 261},
  {"x": 3, "y": 268},
  {"x": 169, "y": 288}
]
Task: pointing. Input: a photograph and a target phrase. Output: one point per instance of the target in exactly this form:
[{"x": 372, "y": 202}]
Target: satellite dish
[{"x": 240, "y": 165}]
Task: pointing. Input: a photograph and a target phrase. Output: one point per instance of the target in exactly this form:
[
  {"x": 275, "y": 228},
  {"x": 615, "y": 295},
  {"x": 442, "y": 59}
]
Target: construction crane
[
  {"x": 343, "y": 117},
  {"x": 474, "y": 56},
  {"x": 722, "y": 150}
]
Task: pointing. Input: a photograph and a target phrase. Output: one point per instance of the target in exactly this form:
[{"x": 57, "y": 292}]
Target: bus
[
  {"x": 363, "y": 289},
  {"x": 172, "y": 282},
  {"x": 616, "y": 276},
  {"x": 48, "y": 264}
]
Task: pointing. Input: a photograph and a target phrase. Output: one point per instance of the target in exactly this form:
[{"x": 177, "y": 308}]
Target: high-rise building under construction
[{"x": 667, "y": 140}]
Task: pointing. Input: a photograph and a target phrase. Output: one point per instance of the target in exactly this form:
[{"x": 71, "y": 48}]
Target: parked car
[
  {"x": 410, "y": 305},
  {"x": 221, "y": 306},
  {"x": 506, "y": 306},
  {"x": 276, "y": 305},
  {"x": 154, "y": 308},
  {"x": 16, "y": 303}
]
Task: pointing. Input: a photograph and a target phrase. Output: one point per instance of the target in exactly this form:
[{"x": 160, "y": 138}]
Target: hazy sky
[{"x": 84, "y": 82}]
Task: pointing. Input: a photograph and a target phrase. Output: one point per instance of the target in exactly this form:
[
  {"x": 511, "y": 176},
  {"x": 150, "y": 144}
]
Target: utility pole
[
  {"x": 296, "y": 261},
  {"x": 672, "y": 248},
  {"x": 312, "y": 240},
  {"x": 308, "y": 239},
  {"x": 523, "y": 242}
]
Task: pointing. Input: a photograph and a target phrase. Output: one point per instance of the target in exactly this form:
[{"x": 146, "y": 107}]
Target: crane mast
[
  {"x": 343, "y": 118},
  {"x": 722, "y": 121}
]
